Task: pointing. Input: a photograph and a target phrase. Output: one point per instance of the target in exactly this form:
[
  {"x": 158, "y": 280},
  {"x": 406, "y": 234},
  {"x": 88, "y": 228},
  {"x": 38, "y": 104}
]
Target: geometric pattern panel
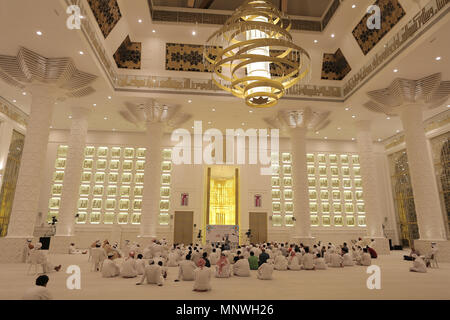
[
  {"x": 107, "y": 13},
  {"x": 391, "y": 13},
  {"x": 335, "y": 66},
  {"x": 128, "y": 55},
  {"x": 188, "y": 57}
]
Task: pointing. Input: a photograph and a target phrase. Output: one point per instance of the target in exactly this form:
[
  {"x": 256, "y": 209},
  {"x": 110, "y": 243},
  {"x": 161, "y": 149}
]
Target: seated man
[
  {"x": 372, "y": 252},
  {"x": 418, "y": 265},
  {"x": 365, "y": 260},
  {"x": 110, "y": 269},
  {"x": 281, "y": 263},
  {"x": 172, "y": 260},
  {"x": 214, "y": 257},
  {"x": 129, "y": 269},
  {"x": 140, "y": 265},
  {"x": 153, "y": 273},
  {"x": 348, "y": 260},
  {"x": 293, "y": 262},
  {"x": 205, "y": 258},
  {"x": 319, "y": 262},
  {"x": 186, "y": 269},
  {"x": 336, "y": 260},
  {"x": 241, "y": 268},
  {"x": 308, "y": 260},
  {"x": 410, "y": 257},
  {"x": 265, "y": 271},
  {"x": 202, "y": 277},
  {"x": 74, "y": 250},
  {"x": 263, "y": 257},
  {"x": 39, "y": 291},
  {"x": 223, "y": 267},
  {"x": 253, "y": 261}
]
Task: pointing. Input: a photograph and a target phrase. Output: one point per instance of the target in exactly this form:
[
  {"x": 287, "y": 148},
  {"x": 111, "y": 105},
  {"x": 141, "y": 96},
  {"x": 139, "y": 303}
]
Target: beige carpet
[{"x": 342, "y": 283}]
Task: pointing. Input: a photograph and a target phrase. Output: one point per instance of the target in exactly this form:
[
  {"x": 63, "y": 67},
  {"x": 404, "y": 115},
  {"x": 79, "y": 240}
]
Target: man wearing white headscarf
[
  {"x": 241, "y": 268},
  {"x": 186, "y": 269},
  {"x": 172, "y": 260},
  {"x": 202, "y": 277},
  {"x": 281, "y": 263},
  {"x": 348, "y": 260},
  {"x": 308, "y": 260},
  {"x": 42, "y": 259},
  {"x": 153, "y": 274},
  {"x": 265, "y": 271},
  {"x": 98, "y": 255},
  {"x": 214, "y": 257},
  {"x": 110, "y": 269},
  {"x": 418, "y": 264},
  {"x": 293, "y": 262},
  {"x": 366, "y": 259},
  {"x": 26, "y": 250},
  {"x": 336, "y": 260},
  {"x": 319, "y": 263},
  {"x": 129, "y": 268}
]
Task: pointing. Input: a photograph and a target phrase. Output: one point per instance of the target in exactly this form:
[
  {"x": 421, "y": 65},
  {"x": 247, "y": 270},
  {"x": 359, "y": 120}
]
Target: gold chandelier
[{"x": 254, "y": 57}]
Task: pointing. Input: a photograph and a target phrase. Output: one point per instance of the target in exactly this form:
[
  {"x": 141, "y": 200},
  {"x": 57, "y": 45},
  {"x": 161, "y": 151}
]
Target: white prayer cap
[
  {"x": 38, "y": 245},
  {"x": 29, "y": 240}
]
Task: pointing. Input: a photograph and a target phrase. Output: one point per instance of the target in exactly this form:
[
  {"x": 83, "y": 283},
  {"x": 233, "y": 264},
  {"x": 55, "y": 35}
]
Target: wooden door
[
  {"x": 183, "y": 229},
  {"x": 258, "y": 227}
]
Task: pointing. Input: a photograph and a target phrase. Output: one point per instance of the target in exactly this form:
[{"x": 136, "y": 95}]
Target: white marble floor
[{"x": 345, "y": 283}]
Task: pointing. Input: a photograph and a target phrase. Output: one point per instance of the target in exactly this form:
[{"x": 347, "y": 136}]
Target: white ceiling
[{"x": 20, "y": 19}]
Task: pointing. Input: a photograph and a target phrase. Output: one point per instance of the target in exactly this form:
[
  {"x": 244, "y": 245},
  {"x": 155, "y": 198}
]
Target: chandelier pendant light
[{"x": 254, "y": 57}]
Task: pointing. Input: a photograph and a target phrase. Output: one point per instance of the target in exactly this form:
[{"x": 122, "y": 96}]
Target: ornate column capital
[{"x": 303, "y": 117}]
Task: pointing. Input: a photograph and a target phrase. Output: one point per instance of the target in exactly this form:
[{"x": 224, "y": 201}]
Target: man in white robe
[
  {"x": 153, "y": 274},
  {"x": 366, "y": 259},
  {"x": 319, "y": 263},
  {"x": 241, "y": 268},
  {"x": 39, "y": 291},
  {"x": 129, "y": 269},
  {"x": 265, "y": 271},
  {"x": 293, "y": 262},
  {"x": 348, "y": 260},
  {"x": 308, "y": 260},
  {"x": 186, "y": 270},
  {"x": 172, "y": 260},
  {"x": 26, "y": 251},
  {"x": 98, "y": 255},
  {"x": 202, "y": 277},
  {"x": 42, "y": 259},
  {"x": 281, "y": 263},
  {"x": 140, "y": 265},
  {"x": 110, "y": 269},
  {"x": 336, "y": 260},
  {"x": 214, "y": 257},
  {"x": 418, "y": 264}
]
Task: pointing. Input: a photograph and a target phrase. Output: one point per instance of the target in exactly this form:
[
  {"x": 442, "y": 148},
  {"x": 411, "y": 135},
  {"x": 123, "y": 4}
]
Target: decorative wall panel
[
  {"x": 111, "y": 185},
  {"x": 128, "y": 55},
  {"x": 403, "y": 198},
  {"x": 440, "y": 146},
  {"x": 14, "y": 113},
  {"x": 391, "y": 13},
  {"x": 282, "y": 194},
  {"x": 107, "y": 13},
  {"x": 10, "y": 180},
  {"x": 187, "y": 57},
  {"x": 335, "y": 66}
]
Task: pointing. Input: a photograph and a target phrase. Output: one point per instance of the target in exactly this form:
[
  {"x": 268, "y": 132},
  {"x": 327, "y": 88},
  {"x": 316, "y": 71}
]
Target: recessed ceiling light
[
  {"x": 315, "y": 41},
  {"x": 438, "y": 58},
  {"x": 39, "y": 33},
  {"x": 388, "y": 118},
  {"x": 243, "y": 123},
  {"x": 379, "y": 139},
  {"x": 209, "y": 122},
  {"x": 109, "y": 97},
  {"x": 140, "y": 20},
  {"x": 51, "y": 127},
  {"x": 250, "y": 111},
  {"x": 332, "y": 35},
  {"x": 317, "y": 132},
  {"x": 354, "y": 6},
  {"x": 70, "y": 117},
  {"x": 397, "y": 131},
  {"x": 339, "y": 128},
  {"x": 192, "y": 127},
  {"x": 24, "y": 93},
  {"x": 189, "y": 101},
  {"x": 395, "y": 70},
  {"x": 346, "y": 109},
  {"x": 213, "y": 109},
  {"x": 325, "y": 138},
  {"x": 153, "y": 30},
  {"x": 194, "y": 33},
  {"x": 353, "y": 139},
  {"x": 353, "y": 116},
  {"x": 14, "y": 100},
  {"x": 94, "y": 104},
  {"x": 113, "y": 129},
  {"x": 81, "y": 52},
  {"x": 448, "y": 106},
  {"x": 106, "y": 118}
]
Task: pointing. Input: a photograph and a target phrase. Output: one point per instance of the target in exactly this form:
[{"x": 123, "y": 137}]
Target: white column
[
  {"x": 374, "y": 219},
  {"x": 6, "y": 130},
  {"x": 72, "y": 178},
  {"x": 302, "y": 226},
  {"x": 26, "y": 198},
  {"x": 425, "y": 191},
  {"x": 152, "y": 181}
]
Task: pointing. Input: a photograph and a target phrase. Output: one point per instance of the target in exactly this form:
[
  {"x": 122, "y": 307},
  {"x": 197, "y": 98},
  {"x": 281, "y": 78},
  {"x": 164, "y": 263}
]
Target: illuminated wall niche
[
  {"x": 335, "y": 190},
  {"x": 166, "y": 178},
  {"x": 282, "y": 194},
  {"x": 111, "y": 185}
]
